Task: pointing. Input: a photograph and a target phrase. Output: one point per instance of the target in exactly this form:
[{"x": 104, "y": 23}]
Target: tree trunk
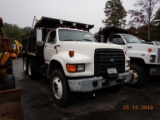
[
  {"x": 149, "y": 19},
  {"x": 149, "y": 31}
]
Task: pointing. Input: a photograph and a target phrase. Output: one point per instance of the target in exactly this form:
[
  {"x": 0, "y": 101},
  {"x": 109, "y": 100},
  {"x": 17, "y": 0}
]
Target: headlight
[
  {"x": 75, "y": 67},
  {"x": 80, "y": 68},
  {"x": 152, "y": 58}
]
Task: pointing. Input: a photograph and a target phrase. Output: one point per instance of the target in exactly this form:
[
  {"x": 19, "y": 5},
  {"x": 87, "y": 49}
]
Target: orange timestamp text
[{"x": 138, "y": 107}]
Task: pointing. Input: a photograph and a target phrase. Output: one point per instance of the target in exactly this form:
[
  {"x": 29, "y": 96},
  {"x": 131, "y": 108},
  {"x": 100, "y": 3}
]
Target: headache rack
[{"x": 54, "y": 23}]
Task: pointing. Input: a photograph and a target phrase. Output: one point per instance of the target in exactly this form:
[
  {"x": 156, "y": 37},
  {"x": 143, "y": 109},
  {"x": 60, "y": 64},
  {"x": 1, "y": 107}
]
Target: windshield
[
  {"x": 75, "y": 35},
  {"x": 157, "y": 43},
  {"x": 131, "y": 38},
  {"x": 154, "y": 43}
]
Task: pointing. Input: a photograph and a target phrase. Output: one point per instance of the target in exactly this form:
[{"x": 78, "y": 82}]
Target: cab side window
[
  {"x": 52, "y": 37},
  {"x": 120, "y": 40},
  {"x": 117, "y": 39}
]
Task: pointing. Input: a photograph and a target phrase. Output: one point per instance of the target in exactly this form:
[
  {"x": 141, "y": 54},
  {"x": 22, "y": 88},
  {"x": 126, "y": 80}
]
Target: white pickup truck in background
[{"x": 145, "y": 57}]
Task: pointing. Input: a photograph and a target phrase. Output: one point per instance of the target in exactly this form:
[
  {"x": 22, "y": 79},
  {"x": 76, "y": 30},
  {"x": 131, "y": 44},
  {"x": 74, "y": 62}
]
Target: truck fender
[
  {"x": 55, "y": 63},
  {"x": 137, "y": 60}
]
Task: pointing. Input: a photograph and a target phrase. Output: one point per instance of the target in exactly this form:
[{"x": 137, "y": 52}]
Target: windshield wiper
[
  {"x": 87, "y": 39},
  {"x": 132, "y": 42},
  {"x": 76, "y": 40},
  {"x": 71, "y": 40},
  {"x": 68, "y": 40}
]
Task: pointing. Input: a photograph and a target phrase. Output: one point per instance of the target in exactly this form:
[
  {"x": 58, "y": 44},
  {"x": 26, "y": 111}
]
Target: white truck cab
[
  {"x": 73, "y": 60},
  {"x": 145, "y": 58}
]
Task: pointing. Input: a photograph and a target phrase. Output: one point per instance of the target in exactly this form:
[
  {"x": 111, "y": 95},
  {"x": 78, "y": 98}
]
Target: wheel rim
[
  {"x": 135, "y": 77},
  {"x": 29, "y": 69},
  {"x": 57, "y": 87},
  {"x": 24, "y": 64}
]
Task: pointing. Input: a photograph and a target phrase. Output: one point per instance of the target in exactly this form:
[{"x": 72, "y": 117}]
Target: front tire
[
  {"x": 59, "y": 88},
  {"x": 138, "y": 76},
  {"x": 9, "y": 82}
]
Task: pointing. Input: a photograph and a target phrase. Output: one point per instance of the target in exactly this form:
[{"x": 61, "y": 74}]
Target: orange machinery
[{"x": 10, "y": 98}]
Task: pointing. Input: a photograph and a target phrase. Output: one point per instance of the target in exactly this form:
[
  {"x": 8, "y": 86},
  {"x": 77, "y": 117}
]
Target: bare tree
[{"x": 145, "y": 14}]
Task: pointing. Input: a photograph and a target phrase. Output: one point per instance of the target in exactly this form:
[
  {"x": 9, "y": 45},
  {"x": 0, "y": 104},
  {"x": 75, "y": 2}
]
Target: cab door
[{"x": 49, "y": 47}]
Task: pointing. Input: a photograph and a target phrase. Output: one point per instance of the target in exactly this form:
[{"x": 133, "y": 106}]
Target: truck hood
[{"x": 86, "y": 46}]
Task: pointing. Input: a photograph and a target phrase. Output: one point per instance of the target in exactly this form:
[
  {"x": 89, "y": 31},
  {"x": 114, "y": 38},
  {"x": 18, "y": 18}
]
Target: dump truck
[
  {"x": 10, "y": 98},
  {"x": 67, "y": 54},
  {"x": 145, "y": 58}
]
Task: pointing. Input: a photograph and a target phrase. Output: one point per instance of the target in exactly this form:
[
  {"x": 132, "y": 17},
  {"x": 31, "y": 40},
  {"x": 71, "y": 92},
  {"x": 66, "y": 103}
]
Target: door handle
[
  {"x": 129, "y": 46},
  {"x": 56, "y": 46}
]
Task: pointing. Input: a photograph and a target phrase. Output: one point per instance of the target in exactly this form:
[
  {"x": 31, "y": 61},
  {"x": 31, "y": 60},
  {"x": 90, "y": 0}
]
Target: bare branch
[{"x": 144, "y": 15}]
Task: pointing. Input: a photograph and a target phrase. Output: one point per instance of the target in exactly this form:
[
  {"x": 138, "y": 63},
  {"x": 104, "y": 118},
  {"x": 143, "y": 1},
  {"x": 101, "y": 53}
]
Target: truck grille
[{"x": 108, "y": 58}]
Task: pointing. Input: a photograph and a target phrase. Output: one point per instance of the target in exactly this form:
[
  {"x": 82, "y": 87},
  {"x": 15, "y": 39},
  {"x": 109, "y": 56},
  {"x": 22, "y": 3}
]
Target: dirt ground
[{"x": 125, "y": 104}]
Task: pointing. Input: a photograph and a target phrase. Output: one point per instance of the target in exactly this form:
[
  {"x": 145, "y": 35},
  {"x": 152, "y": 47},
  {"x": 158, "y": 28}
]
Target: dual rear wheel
[{"x": 29, "y": 67}]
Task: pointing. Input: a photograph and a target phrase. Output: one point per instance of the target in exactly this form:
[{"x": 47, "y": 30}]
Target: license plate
[{"x": 112, "y": 71}]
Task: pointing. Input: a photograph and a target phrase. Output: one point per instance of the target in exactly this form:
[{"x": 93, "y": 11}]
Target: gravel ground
[{"x": 124, "y": 104}]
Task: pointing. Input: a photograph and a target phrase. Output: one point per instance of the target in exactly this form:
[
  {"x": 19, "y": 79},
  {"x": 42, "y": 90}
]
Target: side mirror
[
  {"x": 143, "y": 41},
  {"x": 39, "y": 34},
  {"x": 1, "y": 22}
]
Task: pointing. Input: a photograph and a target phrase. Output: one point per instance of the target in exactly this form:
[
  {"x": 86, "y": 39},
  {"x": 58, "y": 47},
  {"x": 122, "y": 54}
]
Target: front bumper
[{"x": 94, "y": 83}]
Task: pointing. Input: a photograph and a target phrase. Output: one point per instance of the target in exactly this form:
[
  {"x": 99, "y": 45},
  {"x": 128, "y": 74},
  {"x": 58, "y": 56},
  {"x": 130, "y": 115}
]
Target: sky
[{"x": 22, "y": 12}]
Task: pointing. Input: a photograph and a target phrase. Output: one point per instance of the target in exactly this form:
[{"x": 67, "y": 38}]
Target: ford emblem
[{"x": 112, "y": 60}]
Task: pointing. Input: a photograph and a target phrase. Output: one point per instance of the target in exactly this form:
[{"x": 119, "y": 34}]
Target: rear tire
[
  {"x": 138, "y": 76},
  {"x": 32, "y": 70},
  {"x": 59, "y": 88},
  {"x": 25, "y": 65},
  {"x": 9, "y": 82}
]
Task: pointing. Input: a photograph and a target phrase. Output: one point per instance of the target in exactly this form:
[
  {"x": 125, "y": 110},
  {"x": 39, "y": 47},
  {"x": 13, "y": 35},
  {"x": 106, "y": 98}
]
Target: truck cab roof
[
  {"x": 108, "y": 32},
  {"x": 114, "y": 30}
]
